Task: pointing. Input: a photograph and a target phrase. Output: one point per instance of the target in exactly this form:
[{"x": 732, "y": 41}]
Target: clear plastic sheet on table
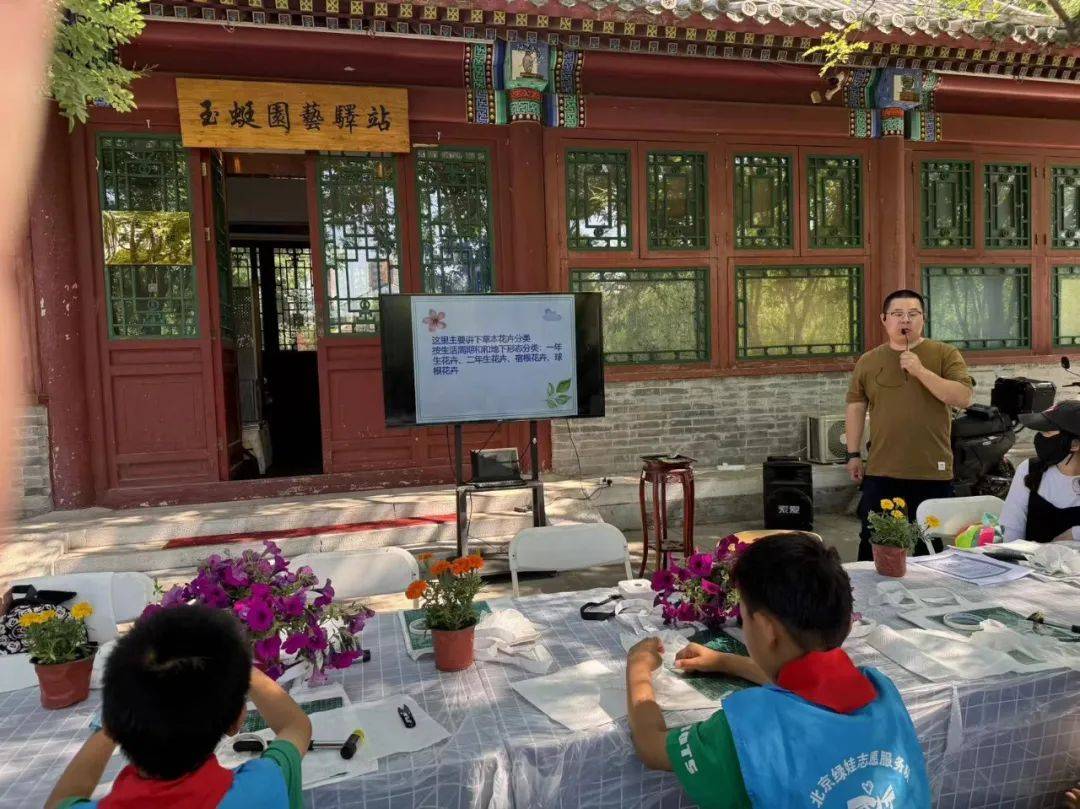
[{"x": 1012, "y": 741}]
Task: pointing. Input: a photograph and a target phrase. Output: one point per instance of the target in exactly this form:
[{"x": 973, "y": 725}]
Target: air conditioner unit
[{"x": 826, "y": 439}]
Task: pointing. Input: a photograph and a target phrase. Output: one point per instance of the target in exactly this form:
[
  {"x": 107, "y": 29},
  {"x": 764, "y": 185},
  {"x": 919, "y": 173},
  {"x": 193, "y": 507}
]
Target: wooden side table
[{"x": 657, "y": 470}]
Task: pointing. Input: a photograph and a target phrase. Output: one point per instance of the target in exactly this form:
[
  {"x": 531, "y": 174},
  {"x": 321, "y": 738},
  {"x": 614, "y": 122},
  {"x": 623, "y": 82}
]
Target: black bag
[{"x": 25, "y": 599}]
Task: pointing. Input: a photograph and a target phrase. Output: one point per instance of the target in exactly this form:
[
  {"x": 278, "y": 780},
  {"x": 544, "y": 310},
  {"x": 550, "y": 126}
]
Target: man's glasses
[{"x": 897, "y": 314}]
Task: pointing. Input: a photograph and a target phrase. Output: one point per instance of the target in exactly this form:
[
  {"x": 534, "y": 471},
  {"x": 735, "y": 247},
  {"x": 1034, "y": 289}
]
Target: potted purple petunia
[
  {"x": 702, "y": 591},
  {"x": 288, "y": 616}
]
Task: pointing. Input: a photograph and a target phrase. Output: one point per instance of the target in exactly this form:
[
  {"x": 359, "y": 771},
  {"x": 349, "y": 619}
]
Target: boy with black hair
[
  {"x": 820, "y": 733},
  {"x": 174, "y": 686}
]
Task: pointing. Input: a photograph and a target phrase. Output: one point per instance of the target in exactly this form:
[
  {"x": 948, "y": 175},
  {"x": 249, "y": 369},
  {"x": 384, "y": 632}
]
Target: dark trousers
[{"x": 913, "y": 492}]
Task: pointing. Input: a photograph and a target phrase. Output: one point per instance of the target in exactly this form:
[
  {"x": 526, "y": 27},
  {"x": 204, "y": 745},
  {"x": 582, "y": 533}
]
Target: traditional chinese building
[{"x": 201, "y": 276}]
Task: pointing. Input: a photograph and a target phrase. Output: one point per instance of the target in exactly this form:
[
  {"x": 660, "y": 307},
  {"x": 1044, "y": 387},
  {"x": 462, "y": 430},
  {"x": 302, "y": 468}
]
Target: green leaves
[
  {"x": 84, "y": 66},
  {"x": 558, "y": 393}
]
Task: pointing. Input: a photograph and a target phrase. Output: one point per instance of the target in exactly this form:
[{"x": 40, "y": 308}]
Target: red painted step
[{"x": 307, "y": 531}]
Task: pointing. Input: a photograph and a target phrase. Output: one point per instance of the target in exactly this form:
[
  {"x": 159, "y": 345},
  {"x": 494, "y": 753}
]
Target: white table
[{"x": 1020, "y": 748}]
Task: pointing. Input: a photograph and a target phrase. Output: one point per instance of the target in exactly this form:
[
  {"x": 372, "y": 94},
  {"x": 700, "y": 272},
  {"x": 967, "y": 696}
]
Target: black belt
[{"x": 590, "y": 613}]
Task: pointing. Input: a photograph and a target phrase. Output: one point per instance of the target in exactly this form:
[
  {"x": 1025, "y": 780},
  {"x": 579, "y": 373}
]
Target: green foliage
[
  {"x": 890, "y": 526},
  {"x": 558, "y": 395},
  {"x": 84, "y": 66},
  {"x": 448, "y": 593},
  {"x": 52, "y": 638},
  {"x": 838, "y": 47}
]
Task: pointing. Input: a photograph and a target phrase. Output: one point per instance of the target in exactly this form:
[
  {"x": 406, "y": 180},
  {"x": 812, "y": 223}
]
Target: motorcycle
[{"x": 983, "y": 434}]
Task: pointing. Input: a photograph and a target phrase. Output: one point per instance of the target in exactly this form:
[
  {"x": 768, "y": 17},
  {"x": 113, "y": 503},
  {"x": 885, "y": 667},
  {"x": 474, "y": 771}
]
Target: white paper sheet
[
  {"x": 672, "y": 691},
  {"x": 572, "y": 696},
  {"x": 972, "y": 567},
  {"x": 384, "y": 735}
]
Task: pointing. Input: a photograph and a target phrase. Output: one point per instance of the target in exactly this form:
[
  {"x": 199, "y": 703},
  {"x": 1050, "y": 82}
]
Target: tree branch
[{"x": 1069, "y": 22}]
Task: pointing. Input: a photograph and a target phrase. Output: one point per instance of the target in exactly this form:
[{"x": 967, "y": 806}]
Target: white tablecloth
[{"x": 1020, "y": 743}]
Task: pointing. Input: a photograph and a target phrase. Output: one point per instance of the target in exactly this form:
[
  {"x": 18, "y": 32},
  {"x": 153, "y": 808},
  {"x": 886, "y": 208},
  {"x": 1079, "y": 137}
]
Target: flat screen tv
[{"x": 449, "y": 359}]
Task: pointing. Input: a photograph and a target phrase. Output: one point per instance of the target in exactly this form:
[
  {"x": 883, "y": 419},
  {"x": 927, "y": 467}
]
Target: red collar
[
  {"x": 828, "y": 679},
  {"x": 204, "y": 787}
]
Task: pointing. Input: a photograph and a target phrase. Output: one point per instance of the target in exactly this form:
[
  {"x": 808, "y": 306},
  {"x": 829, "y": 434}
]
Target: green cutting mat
[
  {"x": 718, "y": 686},
  {"x": 255, "y": 721}
]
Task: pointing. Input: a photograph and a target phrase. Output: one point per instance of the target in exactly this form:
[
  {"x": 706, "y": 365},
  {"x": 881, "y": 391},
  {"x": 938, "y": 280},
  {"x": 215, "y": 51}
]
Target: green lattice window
[
  {"x": 295, "y": 298},
  {"x": 454, "y": 191},
  {"x": 983, "y": 307},
  {"x": 1007, "y": 196},
  {"x": 146, "y": 234},
  {"x": 946, "y": 204},
  {"x": 678, "y": 201},
  {"x": 1065, "y": 207},
  {"x": 651, "y": 316},
  {"x": 834, "y": 188},
  {"x": 788, "y": 312},
  {"x": 763, "y": 201},
  {"x": 598, "y": 210},
  {"x": 358, "y": 216},
  {"x": 1067, "y": 306}
]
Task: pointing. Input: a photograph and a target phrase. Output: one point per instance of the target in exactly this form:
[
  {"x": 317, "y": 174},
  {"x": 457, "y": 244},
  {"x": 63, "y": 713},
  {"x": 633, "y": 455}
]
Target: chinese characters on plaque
[{"x": 270, "y": 115}]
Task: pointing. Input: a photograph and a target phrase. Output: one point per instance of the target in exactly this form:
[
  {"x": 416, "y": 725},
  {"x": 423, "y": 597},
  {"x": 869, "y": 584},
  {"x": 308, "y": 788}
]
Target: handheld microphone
[{"x": 904, "y": 331}]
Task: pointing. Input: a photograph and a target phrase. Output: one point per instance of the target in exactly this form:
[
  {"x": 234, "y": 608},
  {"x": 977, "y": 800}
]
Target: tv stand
[{"x": 463, "y": 489}]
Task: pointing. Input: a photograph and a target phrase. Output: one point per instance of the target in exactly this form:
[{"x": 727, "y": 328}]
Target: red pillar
[
  {"x": 892, "y": 225},
  {"x": 528, "y": 221},
  {"x": 60, "y": 298}
]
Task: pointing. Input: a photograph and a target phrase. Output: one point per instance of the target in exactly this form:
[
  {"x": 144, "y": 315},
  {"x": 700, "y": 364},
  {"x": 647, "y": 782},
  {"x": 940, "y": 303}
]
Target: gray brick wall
[
  {"x": 32, "y": 479},
  {"x": 723, "y": 419}
]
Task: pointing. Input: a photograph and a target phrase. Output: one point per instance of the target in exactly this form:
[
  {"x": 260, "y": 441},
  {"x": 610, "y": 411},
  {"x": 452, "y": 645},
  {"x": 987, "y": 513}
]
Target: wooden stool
[{"x": 657, "y": 469}]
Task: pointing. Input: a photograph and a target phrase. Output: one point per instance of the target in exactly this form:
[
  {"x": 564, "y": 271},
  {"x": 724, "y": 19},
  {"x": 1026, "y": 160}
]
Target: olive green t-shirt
[{"x": 910, "y": 428}]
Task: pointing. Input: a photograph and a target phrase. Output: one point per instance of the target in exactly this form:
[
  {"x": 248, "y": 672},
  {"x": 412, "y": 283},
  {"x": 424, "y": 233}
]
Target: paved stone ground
[{"x": 839, "y": 530}]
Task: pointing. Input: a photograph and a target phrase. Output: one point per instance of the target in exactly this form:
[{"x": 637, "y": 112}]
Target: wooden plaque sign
[{"x": 271, "y": 115}]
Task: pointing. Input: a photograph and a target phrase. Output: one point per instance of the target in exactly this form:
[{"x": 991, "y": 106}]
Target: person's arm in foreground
[
  {"x": 81, "y": 777},
  {"x": 949, "y": 391},
  {"x": 647, "y": 726},
  {"x": 282, "y": 714}
]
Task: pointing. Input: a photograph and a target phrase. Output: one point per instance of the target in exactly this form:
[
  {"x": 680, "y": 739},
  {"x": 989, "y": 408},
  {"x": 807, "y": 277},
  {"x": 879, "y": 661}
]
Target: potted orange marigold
[{"x": 448, "y": 591}]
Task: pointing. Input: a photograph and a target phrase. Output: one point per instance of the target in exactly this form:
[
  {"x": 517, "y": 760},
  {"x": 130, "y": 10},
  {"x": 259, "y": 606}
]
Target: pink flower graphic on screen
[{"x": 435, "y": 320}]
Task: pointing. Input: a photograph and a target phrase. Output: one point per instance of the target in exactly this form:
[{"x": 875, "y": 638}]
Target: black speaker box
[{"x": 788, "y": 492}]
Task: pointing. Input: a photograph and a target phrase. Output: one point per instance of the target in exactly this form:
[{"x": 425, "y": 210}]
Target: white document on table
[
  {"x": 579, "y": 697},
  {"x": 384, "y": 735},
  {"x": 972, "y": 567}
]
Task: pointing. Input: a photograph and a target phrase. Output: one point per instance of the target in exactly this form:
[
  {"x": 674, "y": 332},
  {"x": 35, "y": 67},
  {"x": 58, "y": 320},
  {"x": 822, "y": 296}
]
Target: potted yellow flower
[
  {"x": 448, "y": 592},
  {"x": 62, "y": 654},
  {"x": 892, "y": 537}
]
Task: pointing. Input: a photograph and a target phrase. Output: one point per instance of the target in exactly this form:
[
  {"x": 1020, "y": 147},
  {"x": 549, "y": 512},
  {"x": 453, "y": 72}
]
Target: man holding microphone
[{"x": 909, "y": 384}]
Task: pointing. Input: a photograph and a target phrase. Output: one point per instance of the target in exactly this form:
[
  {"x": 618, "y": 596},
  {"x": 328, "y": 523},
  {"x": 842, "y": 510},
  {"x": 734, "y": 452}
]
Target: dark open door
[{"x": 222, "y": 331}]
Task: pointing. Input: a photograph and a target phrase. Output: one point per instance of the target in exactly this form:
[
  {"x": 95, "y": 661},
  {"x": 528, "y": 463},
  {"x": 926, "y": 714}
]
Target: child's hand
[
  {"x": 695, "y": 657},
  {"x": 645, "y": 653}
]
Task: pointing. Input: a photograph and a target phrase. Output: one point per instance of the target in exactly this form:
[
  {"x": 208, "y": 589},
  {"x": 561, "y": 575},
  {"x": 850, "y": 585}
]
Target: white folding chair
[
  {"x": 116, "y": 597},
  {"x": 568, "y": 547},
  {"x": 956, "y": 514},
  {"x": 362, "y": 573}
]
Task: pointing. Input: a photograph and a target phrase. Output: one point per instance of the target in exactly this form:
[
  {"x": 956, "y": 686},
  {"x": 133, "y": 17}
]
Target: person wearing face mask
[{"x": 1044, "y": 499}]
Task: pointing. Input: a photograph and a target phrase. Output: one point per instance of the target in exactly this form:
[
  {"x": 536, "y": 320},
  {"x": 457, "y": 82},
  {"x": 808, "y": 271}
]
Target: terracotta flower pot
[
  {"x": 890, "y": 561},
  {"x": 453, "y": 648},
  {"x": 64, "y": 684}
]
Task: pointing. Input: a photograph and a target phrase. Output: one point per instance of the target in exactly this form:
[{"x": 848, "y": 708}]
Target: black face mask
[{"x": 1053, "y": 450}]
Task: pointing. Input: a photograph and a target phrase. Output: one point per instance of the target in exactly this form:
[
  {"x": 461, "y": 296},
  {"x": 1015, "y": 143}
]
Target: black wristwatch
[{"x": 852, "y": 454}]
